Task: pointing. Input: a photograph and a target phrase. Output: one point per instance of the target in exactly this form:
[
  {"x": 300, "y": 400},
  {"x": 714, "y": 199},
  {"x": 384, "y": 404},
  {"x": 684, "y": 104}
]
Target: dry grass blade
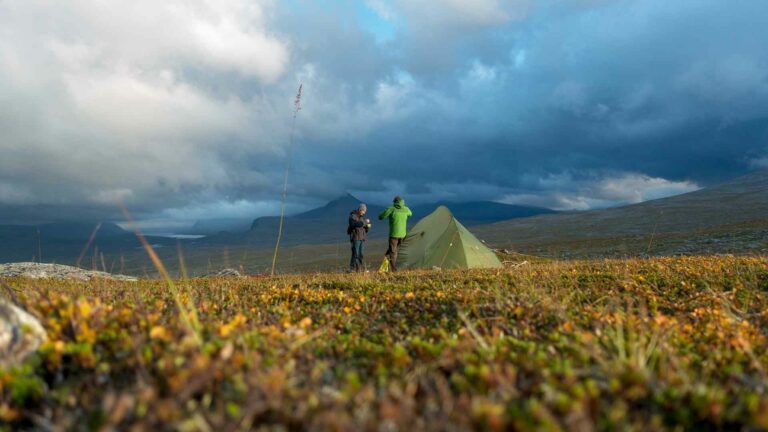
[
  {"x": 188, "y": 314},
  {"x": 182, "y": 262},
  {"x": 88, "y": 244},
  {"x": 473, "y": 331}
]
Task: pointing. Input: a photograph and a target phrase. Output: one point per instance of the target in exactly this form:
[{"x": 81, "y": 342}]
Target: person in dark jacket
[
  {"x": 398, "y": 215},
  {"x": 357, "y": 229}
]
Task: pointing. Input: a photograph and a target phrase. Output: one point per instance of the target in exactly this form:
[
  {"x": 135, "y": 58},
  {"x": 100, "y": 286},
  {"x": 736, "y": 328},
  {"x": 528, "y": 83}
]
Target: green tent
[{"x": 439, "y": 240}]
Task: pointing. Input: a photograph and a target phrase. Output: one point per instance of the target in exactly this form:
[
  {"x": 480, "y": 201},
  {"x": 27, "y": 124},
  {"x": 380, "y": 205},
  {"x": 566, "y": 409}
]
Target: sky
[{"x": 182, "y": 109}]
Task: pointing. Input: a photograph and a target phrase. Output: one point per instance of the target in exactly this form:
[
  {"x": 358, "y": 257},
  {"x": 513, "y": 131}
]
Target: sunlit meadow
[{"x": 638, "y": 344}]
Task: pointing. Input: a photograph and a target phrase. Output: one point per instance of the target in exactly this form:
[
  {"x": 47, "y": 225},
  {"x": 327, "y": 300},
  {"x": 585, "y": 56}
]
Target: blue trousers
[{"x": 356, "y": 263}]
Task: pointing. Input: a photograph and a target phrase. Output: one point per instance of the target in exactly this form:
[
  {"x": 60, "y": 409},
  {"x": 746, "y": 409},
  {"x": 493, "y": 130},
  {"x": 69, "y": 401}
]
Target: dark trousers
[
  {"x": 356, "y": 263},
  {"x": 394, "y": 243}
]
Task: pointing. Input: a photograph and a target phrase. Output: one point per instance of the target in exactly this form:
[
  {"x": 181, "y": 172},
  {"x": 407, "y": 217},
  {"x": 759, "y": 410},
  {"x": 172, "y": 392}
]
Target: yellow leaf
[
  {"x": 225, "y": 330},
  {"x": 85, "y": 334},
  {"x": 84, "y": 308},
  {"x": 158, "y": 332}
]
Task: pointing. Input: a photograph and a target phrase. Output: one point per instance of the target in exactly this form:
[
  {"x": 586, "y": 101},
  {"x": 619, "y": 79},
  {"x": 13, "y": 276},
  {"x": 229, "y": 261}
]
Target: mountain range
[
  {"x": 64, "y": 241},
  {"x": 328, "y": 224}
]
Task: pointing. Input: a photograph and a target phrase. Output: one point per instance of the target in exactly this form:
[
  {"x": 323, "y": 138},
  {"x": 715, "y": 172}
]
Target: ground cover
[{"x": 649, "y": 344}]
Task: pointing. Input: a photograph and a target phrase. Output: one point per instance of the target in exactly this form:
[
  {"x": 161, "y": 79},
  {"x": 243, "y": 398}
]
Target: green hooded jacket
[{"x": 398, "y": 215}]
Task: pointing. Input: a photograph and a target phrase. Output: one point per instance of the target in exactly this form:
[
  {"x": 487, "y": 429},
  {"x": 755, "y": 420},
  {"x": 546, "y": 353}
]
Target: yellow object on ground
[{"x": 384, "y": 267}]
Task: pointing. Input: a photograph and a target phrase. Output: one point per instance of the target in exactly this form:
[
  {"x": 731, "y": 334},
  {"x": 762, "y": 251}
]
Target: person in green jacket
[{"x": 398, "y": 215}]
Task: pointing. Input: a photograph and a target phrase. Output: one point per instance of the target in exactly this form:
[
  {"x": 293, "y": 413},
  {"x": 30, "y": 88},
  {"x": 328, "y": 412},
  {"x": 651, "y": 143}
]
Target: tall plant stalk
[{"x": 297, "y": 108}]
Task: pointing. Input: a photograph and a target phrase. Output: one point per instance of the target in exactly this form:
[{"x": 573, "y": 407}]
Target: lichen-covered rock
[
  {"x": 55, "y": 271},
  {"x": 20, "y": 334}
]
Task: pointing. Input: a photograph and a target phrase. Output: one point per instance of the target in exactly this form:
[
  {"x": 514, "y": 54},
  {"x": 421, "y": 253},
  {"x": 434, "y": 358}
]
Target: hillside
[
  {"x": 79, "y": 231},
  {"x": 740, "y": 205}
]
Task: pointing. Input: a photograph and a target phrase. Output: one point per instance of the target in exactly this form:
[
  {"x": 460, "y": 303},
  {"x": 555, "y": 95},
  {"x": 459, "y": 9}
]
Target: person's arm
[
  {"x": 410, "y": 213},
  {"x": 356, "y": 223},
  {"x": 385, "y": 214}
]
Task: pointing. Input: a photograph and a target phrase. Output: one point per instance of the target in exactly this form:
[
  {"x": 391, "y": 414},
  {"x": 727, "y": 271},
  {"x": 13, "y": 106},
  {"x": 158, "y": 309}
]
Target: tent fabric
[{"x": 440, "y": 240}]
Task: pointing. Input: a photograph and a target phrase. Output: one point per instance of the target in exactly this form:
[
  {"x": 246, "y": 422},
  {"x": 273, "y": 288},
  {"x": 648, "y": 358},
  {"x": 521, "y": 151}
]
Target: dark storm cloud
[
  {"x": 626, "y": 89},
  {"x": 570, "y": 104}
]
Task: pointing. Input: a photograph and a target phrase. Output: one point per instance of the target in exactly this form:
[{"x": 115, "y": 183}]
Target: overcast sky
[{"x": 182, "y": 109}]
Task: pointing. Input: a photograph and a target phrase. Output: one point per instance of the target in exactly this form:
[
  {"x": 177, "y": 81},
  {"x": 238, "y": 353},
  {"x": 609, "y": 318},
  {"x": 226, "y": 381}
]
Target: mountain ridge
[
  {"x": 738, "y": 201},
  {"x": 328, "y": 223}
]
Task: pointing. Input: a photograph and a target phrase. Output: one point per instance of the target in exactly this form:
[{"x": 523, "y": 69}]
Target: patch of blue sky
[
  {"x": 372, "y": 16},
  {"x": 372, "y": 20}
]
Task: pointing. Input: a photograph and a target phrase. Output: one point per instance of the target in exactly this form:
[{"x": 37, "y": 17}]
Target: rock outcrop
[{"x": 55, "y": 271}]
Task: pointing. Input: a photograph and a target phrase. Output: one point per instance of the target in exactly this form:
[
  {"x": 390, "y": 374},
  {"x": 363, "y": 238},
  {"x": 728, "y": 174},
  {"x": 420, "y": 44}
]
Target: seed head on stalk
[
  {"x": 297, "y": 102},
  {"x": 297, "y": 108}
]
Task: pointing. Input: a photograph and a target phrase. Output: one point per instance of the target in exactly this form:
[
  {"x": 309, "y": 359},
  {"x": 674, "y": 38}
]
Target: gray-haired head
[{"x": 362, "y": 207}]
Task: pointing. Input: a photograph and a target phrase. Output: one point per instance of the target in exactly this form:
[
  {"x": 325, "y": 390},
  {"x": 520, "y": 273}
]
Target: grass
[{"x": 663, "y": 343}]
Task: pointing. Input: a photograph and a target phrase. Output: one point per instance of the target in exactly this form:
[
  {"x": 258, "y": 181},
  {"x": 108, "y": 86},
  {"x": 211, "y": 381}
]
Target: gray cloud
[{"x": 182, "y": 110}]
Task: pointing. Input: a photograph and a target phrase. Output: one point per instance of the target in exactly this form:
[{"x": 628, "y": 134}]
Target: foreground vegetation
[{"x": 645, "y": 345}]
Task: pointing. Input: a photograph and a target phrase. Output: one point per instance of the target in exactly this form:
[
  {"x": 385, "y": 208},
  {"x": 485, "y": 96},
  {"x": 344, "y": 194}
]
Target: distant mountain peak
[
  {"x": 346, "y": 198},
  {"x": 339, "y": 206}
]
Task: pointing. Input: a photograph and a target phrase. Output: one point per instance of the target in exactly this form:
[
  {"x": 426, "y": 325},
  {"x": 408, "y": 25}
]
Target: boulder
[{"x": 20, "y": 334}]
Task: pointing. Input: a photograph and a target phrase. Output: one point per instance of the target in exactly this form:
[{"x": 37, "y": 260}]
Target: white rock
[{"x": 20, "y": 334}]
